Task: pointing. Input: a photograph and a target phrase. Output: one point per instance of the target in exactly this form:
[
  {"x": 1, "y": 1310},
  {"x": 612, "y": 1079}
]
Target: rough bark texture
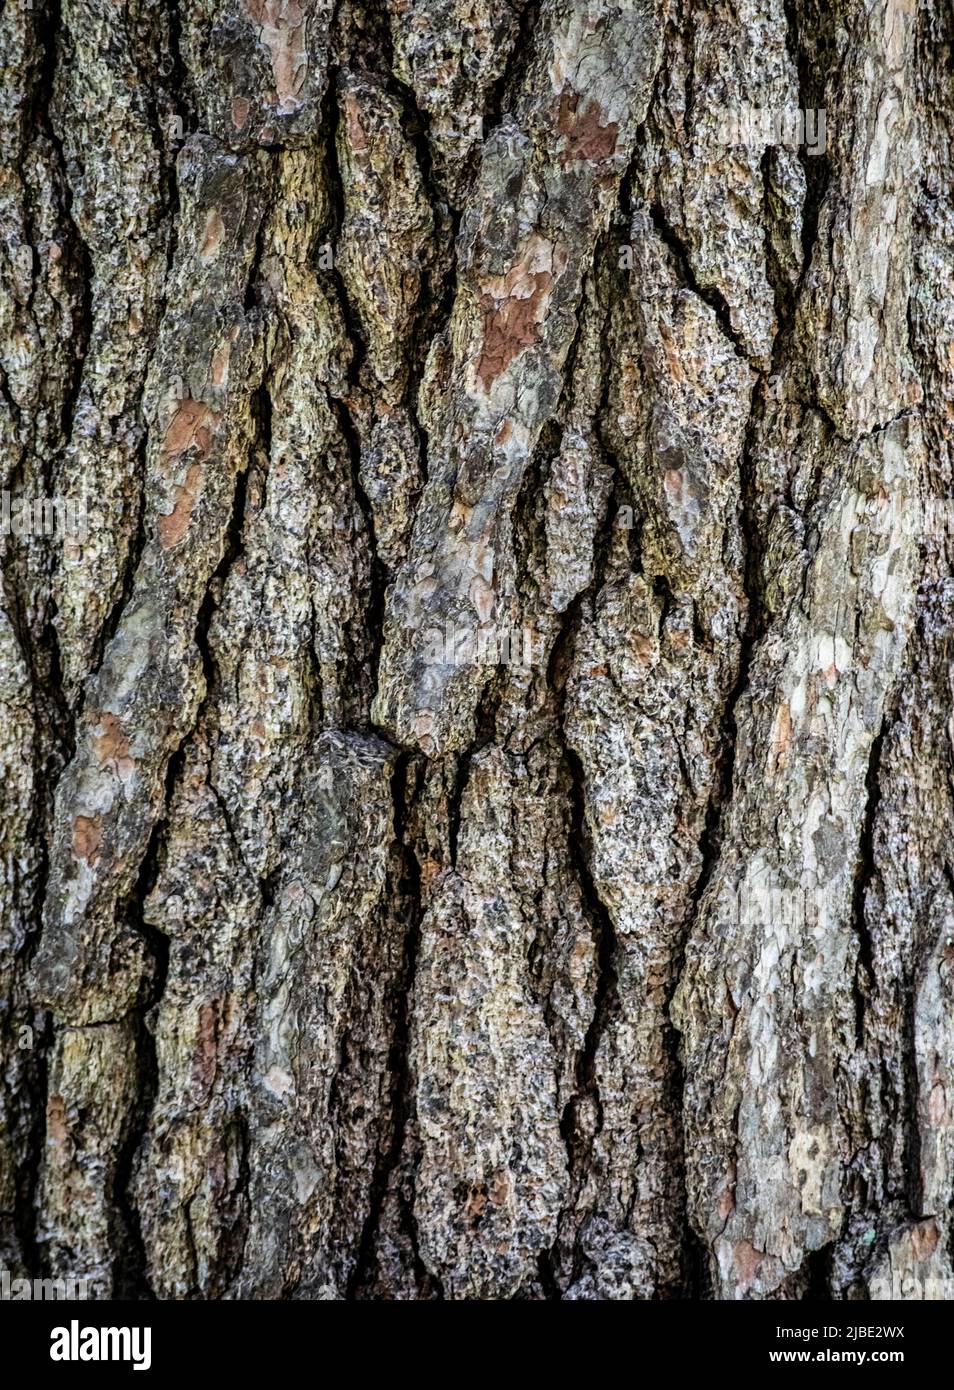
[{"x": 343, "y": 956}]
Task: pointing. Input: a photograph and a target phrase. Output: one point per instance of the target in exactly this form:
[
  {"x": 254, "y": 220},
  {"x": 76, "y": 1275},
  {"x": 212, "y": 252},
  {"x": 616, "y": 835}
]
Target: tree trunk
[{"x": 476, "y": 780}]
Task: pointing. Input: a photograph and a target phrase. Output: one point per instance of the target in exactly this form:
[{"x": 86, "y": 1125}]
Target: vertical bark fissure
[{"x": 408, "y": 893}]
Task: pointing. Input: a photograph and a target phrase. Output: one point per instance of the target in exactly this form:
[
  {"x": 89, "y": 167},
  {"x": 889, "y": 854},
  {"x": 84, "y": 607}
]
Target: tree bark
[{"x": 351, "y": 949}]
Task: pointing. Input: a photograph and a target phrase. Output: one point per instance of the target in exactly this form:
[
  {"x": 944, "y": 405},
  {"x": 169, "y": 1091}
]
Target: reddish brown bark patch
[
  {"x": 205, "y": 1059},
  {"x": 513, "y": 306},
  {"x": 357, "y": 140},
  {"x": 748, "y": 1261},
  {"x": 220, "y": 364},
  {"x": 110, "y": 744},
  {"x": 240, "y": 109},
  {"x": 585, "y": 135},
  {"x": 57, "y": 1129},
  {"x": 192, "y": 426},
  {"x": 782, "y": 732},
  {"x": 282, "y": 26},
  {"x": 174, "y": 525},
  {"x": 509, "y": 328},
  {"x": 212, "y": 237},
  {"x": 924, "y": 1239},
  {"x": 87, "y": 837}
]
